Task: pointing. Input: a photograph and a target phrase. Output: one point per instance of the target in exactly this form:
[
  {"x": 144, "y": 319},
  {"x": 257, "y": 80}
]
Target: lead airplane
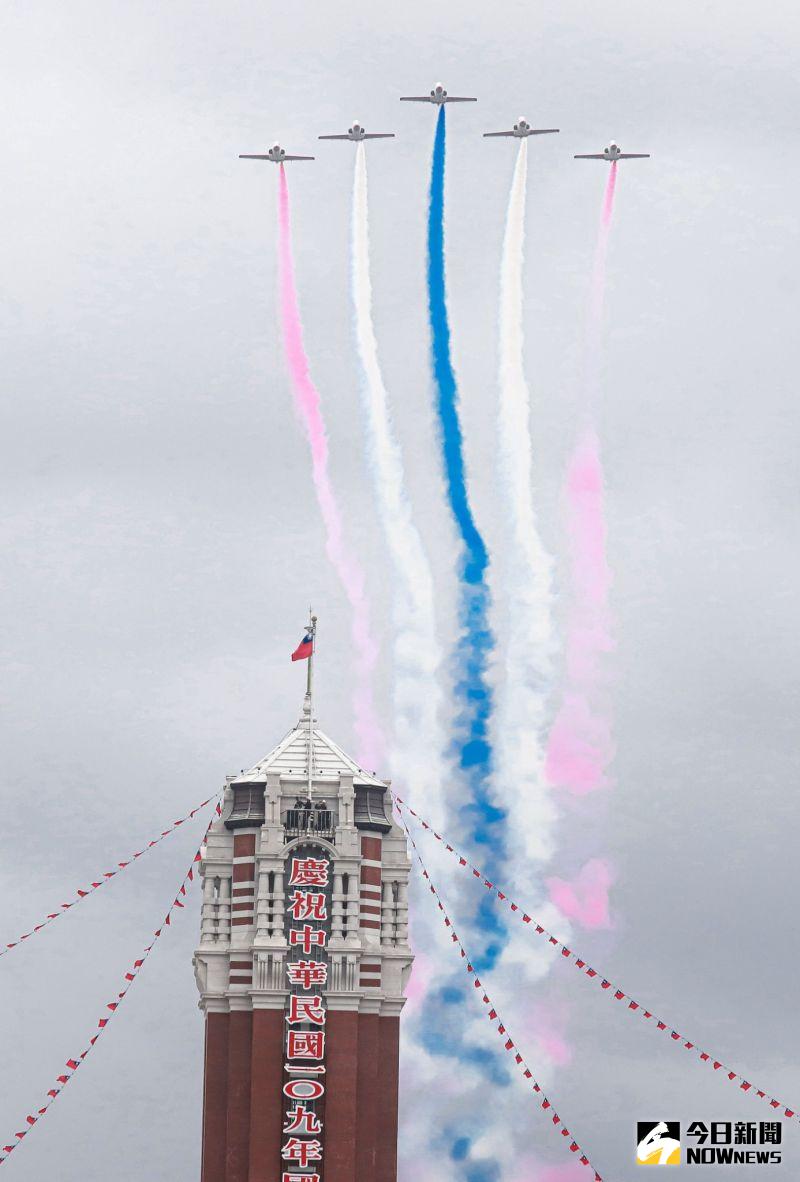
[
  {"x": 521, "y": 129},
  {"x": 356, "y": 134},
  {"x": 612, "y": 154},
  {"x": 276, "y": 154},
  {"x": 438, "y": 96}
]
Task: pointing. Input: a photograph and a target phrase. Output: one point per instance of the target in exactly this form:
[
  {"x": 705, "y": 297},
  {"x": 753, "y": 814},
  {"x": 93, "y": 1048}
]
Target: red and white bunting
[
  {"x": 72, "y": 1065},
  {"x": 102, "y": 879},
  {"x": 494, "y": 1017},
  {"x": 632, "y": 1006}
]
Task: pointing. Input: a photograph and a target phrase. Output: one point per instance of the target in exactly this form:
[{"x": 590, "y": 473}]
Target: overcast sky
[{"x": 163, "y": 541}]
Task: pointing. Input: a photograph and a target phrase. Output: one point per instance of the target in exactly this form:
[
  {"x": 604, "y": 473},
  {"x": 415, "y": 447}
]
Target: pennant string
[
  {"x": 102, "y": 879},
  {"x": 493, "y": 1015},
  {"x": 72, "y": 1065},
  {"x": 606, "y": 984}
]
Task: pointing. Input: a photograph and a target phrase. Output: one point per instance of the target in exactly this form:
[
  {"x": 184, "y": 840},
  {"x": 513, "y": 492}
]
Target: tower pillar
[{"x": 215, "y": 1097}]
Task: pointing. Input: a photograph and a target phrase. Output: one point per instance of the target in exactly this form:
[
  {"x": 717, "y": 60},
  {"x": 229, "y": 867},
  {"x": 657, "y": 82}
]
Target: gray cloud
[{"x": 163, "y": 542}]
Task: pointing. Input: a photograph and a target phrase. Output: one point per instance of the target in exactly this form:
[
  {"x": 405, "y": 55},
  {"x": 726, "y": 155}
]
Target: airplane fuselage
[
  {"x": 438, "y": 96},
  {"x": 276, "y": 155},
  {"x": 612, "y": 154}
]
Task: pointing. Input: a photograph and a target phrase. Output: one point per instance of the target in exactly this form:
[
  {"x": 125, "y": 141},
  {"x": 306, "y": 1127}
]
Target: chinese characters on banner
[
  {"x": 307, "y": 970},
  {"x": 726, "y": 1142}
]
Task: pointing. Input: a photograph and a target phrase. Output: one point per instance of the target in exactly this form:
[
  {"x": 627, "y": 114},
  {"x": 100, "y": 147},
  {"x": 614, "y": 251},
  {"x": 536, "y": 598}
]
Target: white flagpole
[{"x": 309, "y": 693}]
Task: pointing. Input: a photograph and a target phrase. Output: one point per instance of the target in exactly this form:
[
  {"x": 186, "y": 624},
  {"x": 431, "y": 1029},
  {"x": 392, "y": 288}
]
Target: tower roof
[{"x": 290, "y": 758}]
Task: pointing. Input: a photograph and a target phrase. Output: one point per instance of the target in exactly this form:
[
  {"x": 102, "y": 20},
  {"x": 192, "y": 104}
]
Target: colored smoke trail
[
  {"x": 450, "y": 1045},
  {"x": 528, "y": 579},
  {"x": 585, "y": 899},
  {"x": 599, "y": 274},
  {"x": 347, "y": 568},
  {"x": 581, "y": 745},
  {"x": 417, "y": 745},
  {"x": 476, "y": 643},
  {"x": 416, "y": 649}
]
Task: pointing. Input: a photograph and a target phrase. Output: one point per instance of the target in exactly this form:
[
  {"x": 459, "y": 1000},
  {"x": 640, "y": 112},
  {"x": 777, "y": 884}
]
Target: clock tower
[{"x": 301, "y": 967}]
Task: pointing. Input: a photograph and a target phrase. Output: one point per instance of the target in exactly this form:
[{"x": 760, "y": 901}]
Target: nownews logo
[
  {"x": 659, "y": 1143},
  {"x": 713, "y": 1143}
]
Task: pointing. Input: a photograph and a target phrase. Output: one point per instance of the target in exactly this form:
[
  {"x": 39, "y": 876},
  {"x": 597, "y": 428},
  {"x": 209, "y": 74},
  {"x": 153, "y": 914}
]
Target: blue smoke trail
[
  {"x": 473, "y": 694},
  {"x": 441, "y": 1029}
]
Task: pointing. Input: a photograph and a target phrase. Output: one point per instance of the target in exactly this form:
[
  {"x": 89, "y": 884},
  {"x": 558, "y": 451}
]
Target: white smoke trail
[
  {"x": 417, "y": 655},
  {"x": 523, "y": 693},
  {"x": 417, "y": 745}
]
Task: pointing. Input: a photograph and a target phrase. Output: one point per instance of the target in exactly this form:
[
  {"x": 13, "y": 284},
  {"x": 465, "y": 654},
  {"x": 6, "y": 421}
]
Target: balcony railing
[{"x": 311, "y": 823}]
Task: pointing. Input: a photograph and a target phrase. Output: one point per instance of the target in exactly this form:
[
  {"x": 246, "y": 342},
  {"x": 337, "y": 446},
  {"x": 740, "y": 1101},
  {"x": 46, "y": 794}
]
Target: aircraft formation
[{"x": 438, "y": 97}]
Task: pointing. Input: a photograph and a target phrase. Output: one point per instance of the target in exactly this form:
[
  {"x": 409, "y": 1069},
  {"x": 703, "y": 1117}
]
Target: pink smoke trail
[
  {"x": 307, "y": 400},
  {"x": 580, "y": 746},
  {"x": 549, "y": 1028},
  {"x": 586, "y": 898},
  {"x": 530, "y": 1169},
  {"x": 565, "y": 1173}
]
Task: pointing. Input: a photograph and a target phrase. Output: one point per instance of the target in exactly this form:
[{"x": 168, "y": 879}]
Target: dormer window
[
  {"x": 248, "y": 805},
  {"x": 370, "y": 810}
]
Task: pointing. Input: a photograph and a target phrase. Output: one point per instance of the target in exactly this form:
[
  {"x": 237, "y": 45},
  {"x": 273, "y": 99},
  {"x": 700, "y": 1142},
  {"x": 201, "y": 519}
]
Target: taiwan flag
[{"x": 304, "y": 649}]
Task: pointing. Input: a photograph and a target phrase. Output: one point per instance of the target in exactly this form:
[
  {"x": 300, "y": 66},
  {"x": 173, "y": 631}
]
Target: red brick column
[
  {"x": 215, "y": 1102},
  {"x": 243, "y": 893},
  {"x": 369, "y": 1083},
  {"x": 238, "y": 1121},
  {"x": 370, "y": 878},
  {"x": 266, "y": 1105},
  {"x": 341, "y": 1089},
  {"x": 388, "y": 1098}
]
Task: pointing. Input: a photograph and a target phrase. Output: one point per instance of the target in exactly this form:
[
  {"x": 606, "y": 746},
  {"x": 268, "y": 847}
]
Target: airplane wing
[
  {"x": 487, "y": 135},
  {"x": 250, "y": 156},
  {"x": 298, "y": 157},
  {"x": 634, "y": 156},
  {"x": 379, "y": 135},
  {"x": 543, "y": 130},
  {"x": 416, "y": 98},
  {"x": 333, "y": 137},
  {"x": 590, "y": 156},
  {"x": 452, "y": 98}
]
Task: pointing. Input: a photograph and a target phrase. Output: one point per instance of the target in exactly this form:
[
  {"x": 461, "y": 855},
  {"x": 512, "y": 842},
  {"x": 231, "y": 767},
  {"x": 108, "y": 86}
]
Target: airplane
[
  {"x": 612, "y": 154},
  {"x": 276, "y": 154},
  {"x": 356, "y": 133},
  {"x": 521, "y": 129},
  {"x": 438, "y": 96}
]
